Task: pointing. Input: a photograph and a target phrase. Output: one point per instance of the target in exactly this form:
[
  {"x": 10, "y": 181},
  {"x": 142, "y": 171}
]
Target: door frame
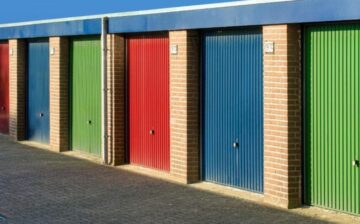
[
  {"x": 70, "y": 92},
  {"x": 127, "y": 93},
  {"x": 8, "y": 89},
  {"x": 26, "y": 88},
  {"x": 304, "y": 149},
  {"x": 202, "y": 95}
]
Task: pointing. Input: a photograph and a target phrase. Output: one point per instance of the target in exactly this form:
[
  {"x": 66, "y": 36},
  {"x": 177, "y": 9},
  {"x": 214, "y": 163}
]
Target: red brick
[
  {"x": 17, "y": 89},
  {"x": 282, "y": 116},
  {"x": 116, "y": 99},
  {"x": 184, "y": 106},
  {"x": 59, "y": 94}
]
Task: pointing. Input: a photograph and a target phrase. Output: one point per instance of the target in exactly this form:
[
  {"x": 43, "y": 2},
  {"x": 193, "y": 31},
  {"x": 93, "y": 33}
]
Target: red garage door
[
  {"x": 4, "y": 88},
  {"x": 148, "y": 70}
]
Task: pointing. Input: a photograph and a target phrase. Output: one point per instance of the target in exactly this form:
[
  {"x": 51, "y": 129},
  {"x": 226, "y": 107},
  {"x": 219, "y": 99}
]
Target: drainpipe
[{"x": 104, "y": 87}]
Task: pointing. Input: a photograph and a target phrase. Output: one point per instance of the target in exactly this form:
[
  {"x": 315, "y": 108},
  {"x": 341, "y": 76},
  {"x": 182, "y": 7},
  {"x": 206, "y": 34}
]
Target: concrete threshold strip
[
  {"x": 74, "y": 154},
  {"x": 307, "y": 211}
]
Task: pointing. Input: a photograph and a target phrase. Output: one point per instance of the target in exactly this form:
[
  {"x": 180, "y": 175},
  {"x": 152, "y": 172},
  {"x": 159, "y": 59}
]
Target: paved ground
[{"x": 38, "y": 186}]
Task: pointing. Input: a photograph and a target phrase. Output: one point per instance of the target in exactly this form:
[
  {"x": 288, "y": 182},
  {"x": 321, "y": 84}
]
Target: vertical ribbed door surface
[
  {"x": 232, "y": 109},
  {"x": 148, "y": 71},
  {"x": 38, "y": 91},
  {"x": 332, "y": 60},
  {"x": 4, "y": 88},
  {"x": 85, "y": 79}
]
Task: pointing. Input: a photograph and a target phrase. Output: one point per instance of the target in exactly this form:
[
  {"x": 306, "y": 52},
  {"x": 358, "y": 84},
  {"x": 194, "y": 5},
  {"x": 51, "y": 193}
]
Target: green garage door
[
  {"x": 332, "y": 61},
  {"x": 85, "y": 70}
]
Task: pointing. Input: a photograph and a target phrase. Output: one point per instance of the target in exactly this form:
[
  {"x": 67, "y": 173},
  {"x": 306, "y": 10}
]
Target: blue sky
[{"x": 25, "y": 10}]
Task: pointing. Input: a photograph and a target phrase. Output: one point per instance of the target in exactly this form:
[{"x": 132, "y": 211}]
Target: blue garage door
[
  {"x": 233, "y": 109},
  {"x": 38, "y": 91}
]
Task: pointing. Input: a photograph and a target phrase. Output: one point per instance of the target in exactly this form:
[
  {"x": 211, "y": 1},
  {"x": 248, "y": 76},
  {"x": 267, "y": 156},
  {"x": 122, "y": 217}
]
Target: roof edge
[{"x": 146, "y": 12}]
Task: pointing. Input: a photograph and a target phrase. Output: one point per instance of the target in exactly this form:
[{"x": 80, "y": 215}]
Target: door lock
[
  {"x": 235, "y": 145},
  {"x": 152, "y": 132},
  {"x": 355, "y": 163},
  {"x": 89, "y": 122},
  {"x": 41, "y": 114},
  {"x": 3, "y": 108}
]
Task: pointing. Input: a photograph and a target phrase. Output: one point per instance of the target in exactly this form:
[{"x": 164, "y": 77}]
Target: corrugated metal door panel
[
  {"x": 233, "y": 108},
  {"x": 148, "y": 70},
  {"x": 332, "y": 116},
  {"x": 85, "y": 70},
  {"x": 38, "y": 91},
  {"x": 4, "y": 88}
]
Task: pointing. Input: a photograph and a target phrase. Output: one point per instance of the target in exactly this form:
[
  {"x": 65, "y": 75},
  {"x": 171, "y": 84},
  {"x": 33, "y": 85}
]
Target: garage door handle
[
  {"x": 89, "y": 122},
  {"x": 152, "y": 132},
  {"x": 236, "y": 145},
  {"x": 355, "y": 163},
  {"x": 2, "y": 108},
  {"x": 41, "y": 114}
]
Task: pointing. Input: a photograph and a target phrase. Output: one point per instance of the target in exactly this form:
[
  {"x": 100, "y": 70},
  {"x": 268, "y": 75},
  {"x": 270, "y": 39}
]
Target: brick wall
[
  {"x": 282, "y": 114},
  {"x": 59, "y": 94},
  {"x": 17, "y": 89},
  {"x": 282, "y": 106},
  {"x": 116, "y": 98},
  {"x": 184, "y": 106}
]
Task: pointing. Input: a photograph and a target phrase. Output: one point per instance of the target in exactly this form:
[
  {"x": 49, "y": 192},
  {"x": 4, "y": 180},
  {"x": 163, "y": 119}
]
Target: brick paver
[{"x": 38, "y": 186}]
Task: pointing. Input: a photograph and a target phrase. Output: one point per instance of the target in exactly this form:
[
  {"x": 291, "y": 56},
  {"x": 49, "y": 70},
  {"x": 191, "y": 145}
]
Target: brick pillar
[
  {"x": 282, "y": 114},
  {"x": 59, "y": 94},
  {"x": 116, "y": 98},
  {"x": 17, "y": 89},
  {"x": 184, "y": 106}
]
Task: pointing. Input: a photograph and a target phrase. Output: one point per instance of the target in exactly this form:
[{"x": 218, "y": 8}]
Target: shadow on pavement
[{"x": 38, "y": 186}]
